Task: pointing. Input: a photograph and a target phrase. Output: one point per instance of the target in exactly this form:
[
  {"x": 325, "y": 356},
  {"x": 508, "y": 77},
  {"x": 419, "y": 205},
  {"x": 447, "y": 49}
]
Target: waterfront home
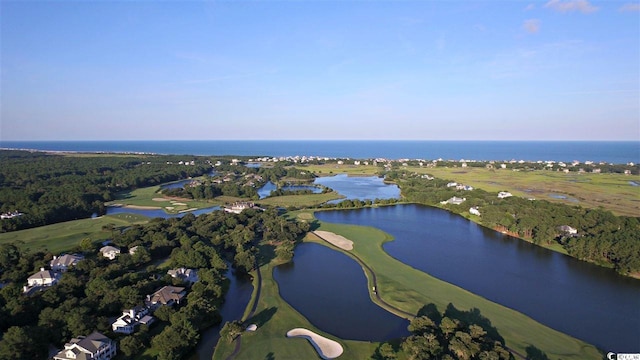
[
  {"x": 237, "y": 207},
  {"x": 41, "y": 279},
  {"x": 167, "y": 295},
  {"x": 110, "y": 252},
  {"x": 189, "y": 275},
  {"x": 566, "y": 229},
  {"x": 95, "y": 346},
  {"x": 454, "y": 200},
  {"x": 504, "y": 194},
  {"x": 474, "y": 211},
  {"x": 127, "y": 322},
  {"x": 64, "y": 262}
]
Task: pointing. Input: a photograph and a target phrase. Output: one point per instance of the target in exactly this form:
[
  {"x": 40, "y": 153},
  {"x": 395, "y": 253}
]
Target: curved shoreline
[{"x": 326, "y": 348}]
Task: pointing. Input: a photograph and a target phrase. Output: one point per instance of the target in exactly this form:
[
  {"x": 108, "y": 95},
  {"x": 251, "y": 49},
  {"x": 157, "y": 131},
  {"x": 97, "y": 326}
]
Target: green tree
[
  {"x": 22, "y": 343},
  {"x": 231, "y": 330}
]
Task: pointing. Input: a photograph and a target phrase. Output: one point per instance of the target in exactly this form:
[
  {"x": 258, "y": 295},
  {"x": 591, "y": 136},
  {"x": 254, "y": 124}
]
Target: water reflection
[
  {"x": 330, "y": 290},
  {"x": 359, "y": 187},
  {"x": 583, "y": 300}
]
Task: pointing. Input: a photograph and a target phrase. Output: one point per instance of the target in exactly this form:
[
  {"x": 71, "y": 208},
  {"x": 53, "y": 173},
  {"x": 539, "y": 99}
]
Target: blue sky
[{"x": 432, "y": 70}]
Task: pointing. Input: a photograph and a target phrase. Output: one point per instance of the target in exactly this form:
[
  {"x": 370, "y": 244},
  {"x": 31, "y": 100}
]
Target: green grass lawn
[
  {"x": 409, "y": 289},
  {"x": 61, "y": 237},
  {"x": 151, "y": 197},
  {"x": 611, "y": 191},
  {"x": 334, "y": 169}
]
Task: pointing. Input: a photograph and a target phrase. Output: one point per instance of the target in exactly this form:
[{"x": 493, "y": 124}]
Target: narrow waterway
[
  {"x": 236, "y": 300},
  {"x": 583, "y": 300}
]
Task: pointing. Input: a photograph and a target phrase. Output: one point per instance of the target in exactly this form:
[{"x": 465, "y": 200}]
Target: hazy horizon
[{"x": 561, "y": 70}]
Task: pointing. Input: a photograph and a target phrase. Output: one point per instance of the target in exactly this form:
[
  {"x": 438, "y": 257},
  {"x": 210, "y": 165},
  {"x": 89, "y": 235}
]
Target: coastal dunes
[
  {"x": 326, "y": 348},
  {"x": 335, "y": 239}
]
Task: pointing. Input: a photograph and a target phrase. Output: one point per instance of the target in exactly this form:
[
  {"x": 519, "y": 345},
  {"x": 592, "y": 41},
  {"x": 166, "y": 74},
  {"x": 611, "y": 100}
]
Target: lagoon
[
  {"x": 583, "y": 300},
  {"x": 330, "y": 290}
]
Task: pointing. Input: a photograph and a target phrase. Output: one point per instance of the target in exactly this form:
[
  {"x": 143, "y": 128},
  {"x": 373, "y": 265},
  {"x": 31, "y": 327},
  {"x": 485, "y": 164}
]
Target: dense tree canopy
[{"x": 48, "y": 188}]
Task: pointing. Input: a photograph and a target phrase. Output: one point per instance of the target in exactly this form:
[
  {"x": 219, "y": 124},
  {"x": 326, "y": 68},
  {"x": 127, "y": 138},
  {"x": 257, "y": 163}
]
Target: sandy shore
[
  {"x": 335, "y": 239},
  {"x": 137, "y": 207},
  {"x": 326, "y": 348}
]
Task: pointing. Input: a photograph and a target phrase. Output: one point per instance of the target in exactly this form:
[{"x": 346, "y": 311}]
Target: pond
[
  {"x": 154, "y": 213},
  {"x": 586, "y": 301},
  {"x": 359, "y": 187},
  {"x": 266, "y": 189},
  {"x": 235, "y": 301},
  {"x": 330, "y": 290}
]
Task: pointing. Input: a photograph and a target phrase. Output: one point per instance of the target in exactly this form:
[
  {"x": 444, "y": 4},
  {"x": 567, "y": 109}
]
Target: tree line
[{"x": 48, "y": 189}]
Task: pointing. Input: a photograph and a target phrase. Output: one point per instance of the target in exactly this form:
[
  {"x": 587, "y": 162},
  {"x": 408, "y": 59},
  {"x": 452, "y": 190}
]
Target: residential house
[
  {"x": 504, "y": 194},
  {"x": 567, "y": 229},
  {"x": 41, "y": 279},
  {"x": 167, "y": 295},
  {"x": 454, "y": 200},
  {"x": 452, "y": 184},
  {"x": 474, "y": 211},
  {"x": 95, "y": 347},
  {"x": 237, "y": 207},
  {"x": 189, "y": 275},
  {"x": 131, "y": 318},
  {"x": 133, "y": 250},
  {"x": 64, "y": 262},
  {"x": 110, "y": 252}
]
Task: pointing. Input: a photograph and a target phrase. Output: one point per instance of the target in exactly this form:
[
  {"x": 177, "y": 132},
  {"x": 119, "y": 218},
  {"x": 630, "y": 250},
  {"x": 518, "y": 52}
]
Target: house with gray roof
[
  {"x": 92, "y": 347},
  {"x": 189, "y": 275},
  {"x": 167, "y": 295},
  {"x": 64, "y": 262}
]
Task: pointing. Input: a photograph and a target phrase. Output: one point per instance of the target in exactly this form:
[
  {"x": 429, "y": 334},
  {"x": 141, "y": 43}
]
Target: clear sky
[{"x": 432, "y": 70}]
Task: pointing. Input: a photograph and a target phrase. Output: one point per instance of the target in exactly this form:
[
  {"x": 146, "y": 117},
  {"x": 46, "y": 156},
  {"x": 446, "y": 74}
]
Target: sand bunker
[
  {"x": 178, "y": 204},
  {"x": 326, "y": 348},
  {"x": 160, "y": 199},
  {"x": 169, "y": 207},
  {"x": 335, "y": 239}
]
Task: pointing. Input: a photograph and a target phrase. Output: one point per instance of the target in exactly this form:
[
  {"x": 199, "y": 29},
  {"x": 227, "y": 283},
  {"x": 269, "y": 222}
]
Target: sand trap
[
  {"x": 160, "y": 199},
  {"x": 140, "y": 207},
  {"x": 178, "y": 204},
  {"x": 326, "y": 348},
  {"x": 169, "y": 207},
  {"x": 335, "y": 239}
]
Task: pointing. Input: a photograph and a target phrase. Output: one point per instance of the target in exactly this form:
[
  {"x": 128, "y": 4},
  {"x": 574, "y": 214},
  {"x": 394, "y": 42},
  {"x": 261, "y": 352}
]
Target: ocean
[{"x": 617, "y": 152}]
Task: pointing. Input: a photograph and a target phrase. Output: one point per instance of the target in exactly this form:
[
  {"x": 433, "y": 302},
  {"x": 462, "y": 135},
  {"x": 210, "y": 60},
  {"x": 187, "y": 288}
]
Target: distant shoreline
[{"x": 615, "y": 152}]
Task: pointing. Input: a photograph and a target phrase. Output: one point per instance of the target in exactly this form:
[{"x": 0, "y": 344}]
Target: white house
[
  {"x": 237, "y": 207},
  {"x": 133, "y": 250},
  {"x": 129, "y": 319},
  {"x": 184, "y": 274},
  {"x": 454, "y": 200},
  {"x": 95, "y": 346},
  {"x": 504, "y": 194},
  {"x": 43, "y": 278},
  {"x": 474, "y": 211},
  {"x": 452, "y": 184},
  {"x": 110, "y": 252},
  {"x": 568, "y": 229},
  {"x": 64, "y": 262}
]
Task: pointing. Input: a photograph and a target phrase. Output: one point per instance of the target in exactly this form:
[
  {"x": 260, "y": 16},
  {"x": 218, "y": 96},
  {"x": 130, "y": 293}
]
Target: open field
[
  {"x": 274, "y": 318},
  {"x": 61, "y": 237},
  {"x": 409, "y": 289},
  {"x": 334, "y": 169},
  {"x": 611, "y": 191},
  {"x": 299, "y": 200}
]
